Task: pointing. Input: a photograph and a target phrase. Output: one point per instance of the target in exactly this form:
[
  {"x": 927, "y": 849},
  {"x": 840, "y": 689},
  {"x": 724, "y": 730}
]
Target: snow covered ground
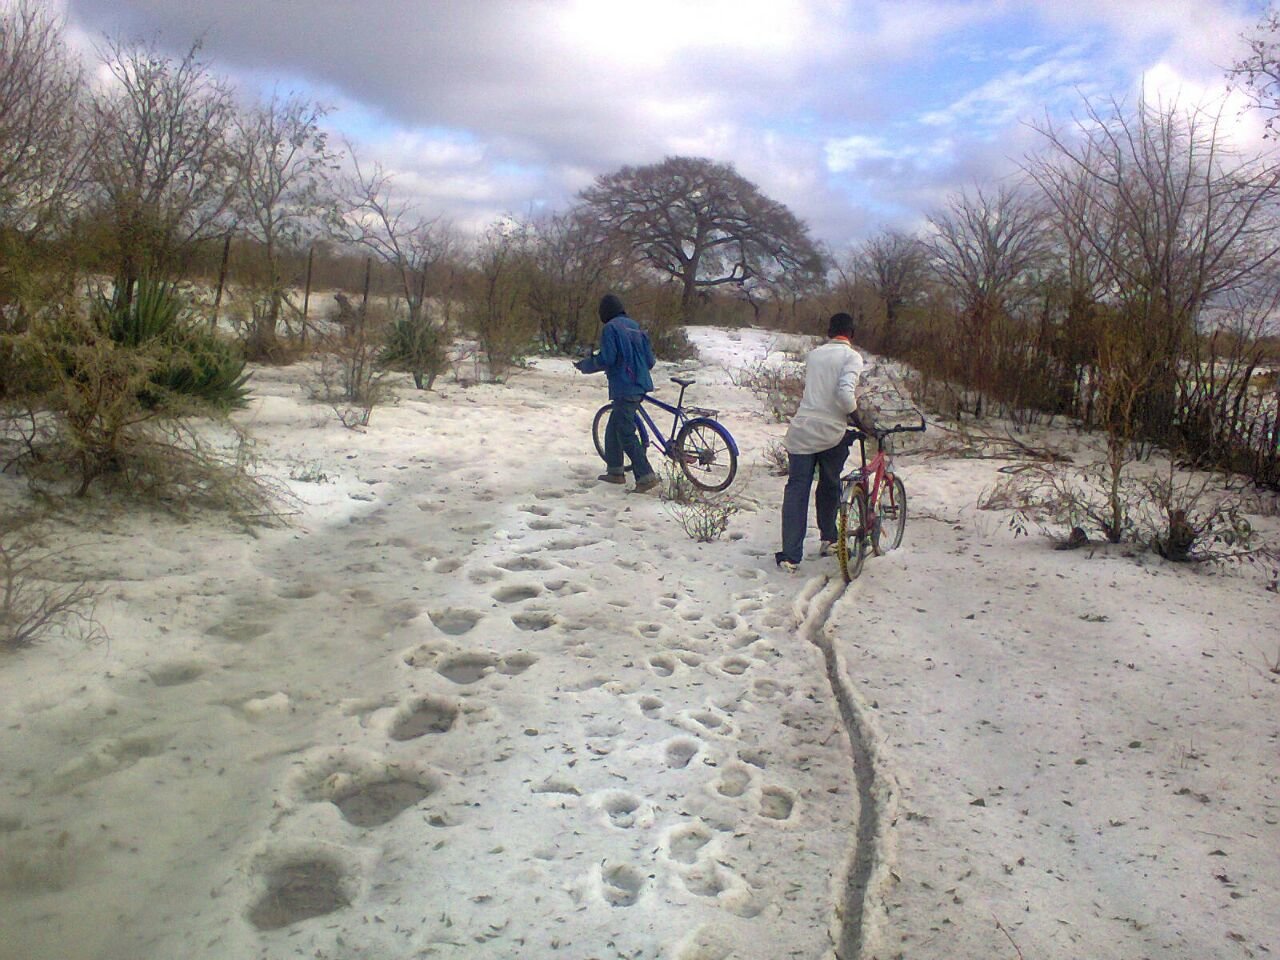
[{"x": 473, "y": 703}]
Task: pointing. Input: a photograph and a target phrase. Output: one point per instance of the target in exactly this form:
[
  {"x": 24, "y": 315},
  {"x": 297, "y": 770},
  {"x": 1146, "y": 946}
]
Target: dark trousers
[
  {"x": 622, "y": 437},
  {"x": 795, "y": 498}
]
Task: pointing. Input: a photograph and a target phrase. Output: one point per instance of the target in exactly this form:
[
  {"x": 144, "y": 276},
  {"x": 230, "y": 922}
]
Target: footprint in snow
[
  {"x": 621, "y": 885},
  {"x": 680, "y": 751},
  {"x": 517, "y": 593},
  {"x": 423, "y": 716},
  {"x": 686, "y": 842},
  {"x": 777, "y": 803},
  {"x": 454, "y": 621}
]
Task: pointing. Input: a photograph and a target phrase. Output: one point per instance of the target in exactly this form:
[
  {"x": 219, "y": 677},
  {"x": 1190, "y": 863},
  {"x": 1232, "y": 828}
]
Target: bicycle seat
[{"x": 683, "y": 382}]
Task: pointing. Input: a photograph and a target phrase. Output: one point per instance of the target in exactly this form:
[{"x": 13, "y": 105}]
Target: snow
[{"x": 472, "y": 703}]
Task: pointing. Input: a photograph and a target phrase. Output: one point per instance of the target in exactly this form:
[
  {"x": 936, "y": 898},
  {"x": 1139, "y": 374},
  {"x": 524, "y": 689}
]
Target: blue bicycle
[{"x": 704, "y": 449}]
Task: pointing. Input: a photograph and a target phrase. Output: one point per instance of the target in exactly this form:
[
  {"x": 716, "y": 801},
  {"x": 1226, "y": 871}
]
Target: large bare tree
[
  {"x": 42, "y": 150},
  {"x": 284, "y": 169},
  {"x": 896, "y": 265},
  {"x": 161, "y": 164},
  {"x": 987, "y": 248},
  {"x": 396, "y": 232},
  {"x": 419, "y": 249},
  {"x": 41, "y": 142},
  {"x": 703, "y": 224},
  {"x": 1168, "y": 220},
  {"x": 574, "y": 260}
]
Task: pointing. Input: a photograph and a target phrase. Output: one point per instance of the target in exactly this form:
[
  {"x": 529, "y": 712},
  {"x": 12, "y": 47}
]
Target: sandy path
[{"x": 489, "y": 708}]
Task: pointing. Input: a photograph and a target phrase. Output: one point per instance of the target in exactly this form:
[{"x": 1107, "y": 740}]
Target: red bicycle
[{"x": 873, "y": 503}]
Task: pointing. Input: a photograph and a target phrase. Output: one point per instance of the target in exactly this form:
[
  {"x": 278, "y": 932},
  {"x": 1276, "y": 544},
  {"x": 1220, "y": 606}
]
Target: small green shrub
[
  {"x": 705, "y": 519},
  {"x": 190, "y": 362},
  {"x": 207, "y": 370},
  {"x": 415, "y": 346},
  {"x": 703, "y": 516}
]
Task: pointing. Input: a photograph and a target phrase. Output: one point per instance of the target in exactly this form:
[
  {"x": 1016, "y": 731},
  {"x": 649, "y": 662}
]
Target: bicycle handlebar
[{"x": 881, "y": 432}]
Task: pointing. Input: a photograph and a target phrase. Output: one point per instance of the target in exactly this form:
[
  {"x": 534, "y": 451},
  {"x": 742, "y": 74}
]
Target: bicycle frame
[
  {"x": 680, "y": 415},
  {"x": 871, "y": 474}
]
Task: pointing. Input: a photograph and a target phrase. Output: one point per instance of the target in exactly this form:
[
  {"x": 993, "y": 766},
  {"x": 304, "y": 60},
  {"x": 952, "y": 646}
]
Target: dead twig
[{"x": 1000, "y": 927}]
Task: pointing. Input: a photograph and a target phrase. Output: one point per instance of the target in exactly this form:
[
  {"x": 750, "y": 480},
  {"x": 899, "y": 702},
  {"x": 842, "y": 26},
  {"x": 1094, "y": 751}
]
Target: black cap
[{"x": 610, "y": 307}]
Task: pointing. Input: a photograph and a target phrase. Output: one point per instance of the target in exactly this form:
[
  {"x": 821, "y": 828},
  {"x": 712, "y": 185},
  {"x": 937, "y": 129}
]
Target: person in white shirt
[{"x": 818, "y": 440}]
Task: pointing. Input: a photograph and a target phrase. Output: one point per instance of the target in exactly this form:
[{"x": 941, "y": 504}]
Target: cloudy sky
[{"x": 857, "y": 115}]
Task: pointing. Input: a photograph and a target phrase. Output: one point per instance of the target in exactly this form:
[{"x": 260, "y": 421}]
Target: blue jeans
[
  {"x": 621, "y": 436},
  {"x": 795, "y": 498}
]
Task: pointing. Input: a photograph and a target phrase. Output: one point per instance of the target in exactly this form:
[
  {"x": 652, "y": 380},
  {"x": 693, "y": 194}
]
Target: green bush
[
  {"x": 414, "y": 345},
  {"x": 118, "y": 383},
  {"x": 208, "y": 370},
  {"x": 189, "y": 362}
]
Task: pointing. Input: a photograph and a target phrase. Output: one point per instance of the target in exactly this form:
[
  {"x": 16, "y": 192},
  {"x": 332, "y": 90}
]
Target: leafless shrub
[
  {"x": 703, "y": 516},
  {"x": 1181, "y": 518},
  {"x": 779, "y": 385},
  {"x": 704, "y": 519},
  {"x": 349, "y": 377},
  {"x": 31, "y": 607},
  {"x": 1190, "y": 519},
  {"x": 676, "y": 487},
  {"x": 775, "y": 458},
  {"x": 498, "y": 311}
]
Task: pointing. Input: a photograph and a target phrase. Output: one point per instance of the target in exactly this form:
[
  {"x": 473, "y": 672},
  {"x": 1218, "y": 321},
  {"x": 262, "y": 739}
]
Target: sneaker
[
  {"x": 785, "y": 565},
  {"x": 612, "y": 478},
  {"x": 647, "y": 484},
  {"x": 828, "y": 548}
]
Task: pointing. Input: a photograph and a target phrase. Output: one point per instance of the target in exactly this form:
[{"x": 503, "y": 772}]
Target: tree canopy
[{"x": 704, "y": 225}]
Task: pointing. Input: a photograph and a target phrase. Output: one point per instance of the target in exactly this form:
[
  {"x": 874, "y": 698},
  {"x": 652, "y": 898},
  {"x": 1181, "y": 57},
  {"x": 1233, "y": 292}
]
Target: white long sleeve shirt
[{"x": 831, "y": 376}]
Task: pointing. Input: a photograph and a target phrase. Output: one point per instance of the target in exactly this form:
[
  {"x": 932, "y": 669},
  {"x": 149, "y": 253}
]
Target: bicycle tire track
[{"x": 874, "y": 787}]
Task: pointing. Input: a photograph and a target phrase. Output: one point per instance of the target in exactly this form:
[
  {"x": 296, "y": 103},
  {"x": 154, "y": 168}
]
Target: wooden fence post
[
  {"x": 222, "y": 279},
  {"x": 306, "y": 292}
]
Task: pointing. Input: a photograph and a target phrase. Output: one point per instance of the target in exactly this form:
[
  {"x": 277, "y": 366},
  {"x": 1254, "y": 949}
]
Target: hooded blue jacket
[{"x": 625, "y": 356}]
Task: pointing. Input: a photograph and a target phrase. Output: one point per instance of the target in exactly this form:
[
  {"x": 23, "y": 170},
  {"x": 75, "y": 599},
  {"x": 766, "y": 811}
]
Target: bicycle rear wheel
[
  {"x": 598, "y": 425},
  {"x": 891, "y": 516},
  {"x": 851, "y": 529},
  {"x": 706, "y": 453}
]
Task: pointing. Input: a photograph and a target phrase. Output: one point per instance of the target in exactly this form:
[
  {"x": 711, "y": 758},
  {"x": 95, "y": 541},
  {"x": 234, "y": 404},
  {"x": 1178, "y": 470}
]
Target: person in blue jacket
[{"x": 626, "y": 357}]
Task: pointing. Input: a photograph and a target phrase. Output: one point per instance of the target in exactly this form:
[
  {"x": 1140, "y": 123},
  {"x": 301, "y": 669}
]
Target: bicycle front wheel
[
  {"x": 602, "y": 419},
  {"x": 707, "y": 454},
  {"x": 851, "y": 529},
  {"x": 891, "y": 516}
]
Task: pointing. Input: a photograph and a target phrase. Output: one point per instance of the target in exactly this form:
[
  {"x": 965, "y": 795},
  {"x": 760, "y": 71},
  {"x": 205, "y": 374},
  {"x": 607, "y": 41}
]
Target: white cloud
[
  {"x": 846, "y": 153},
  {"x": 495, "y": 105},
  {"x": 1016, "y": 94}
]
